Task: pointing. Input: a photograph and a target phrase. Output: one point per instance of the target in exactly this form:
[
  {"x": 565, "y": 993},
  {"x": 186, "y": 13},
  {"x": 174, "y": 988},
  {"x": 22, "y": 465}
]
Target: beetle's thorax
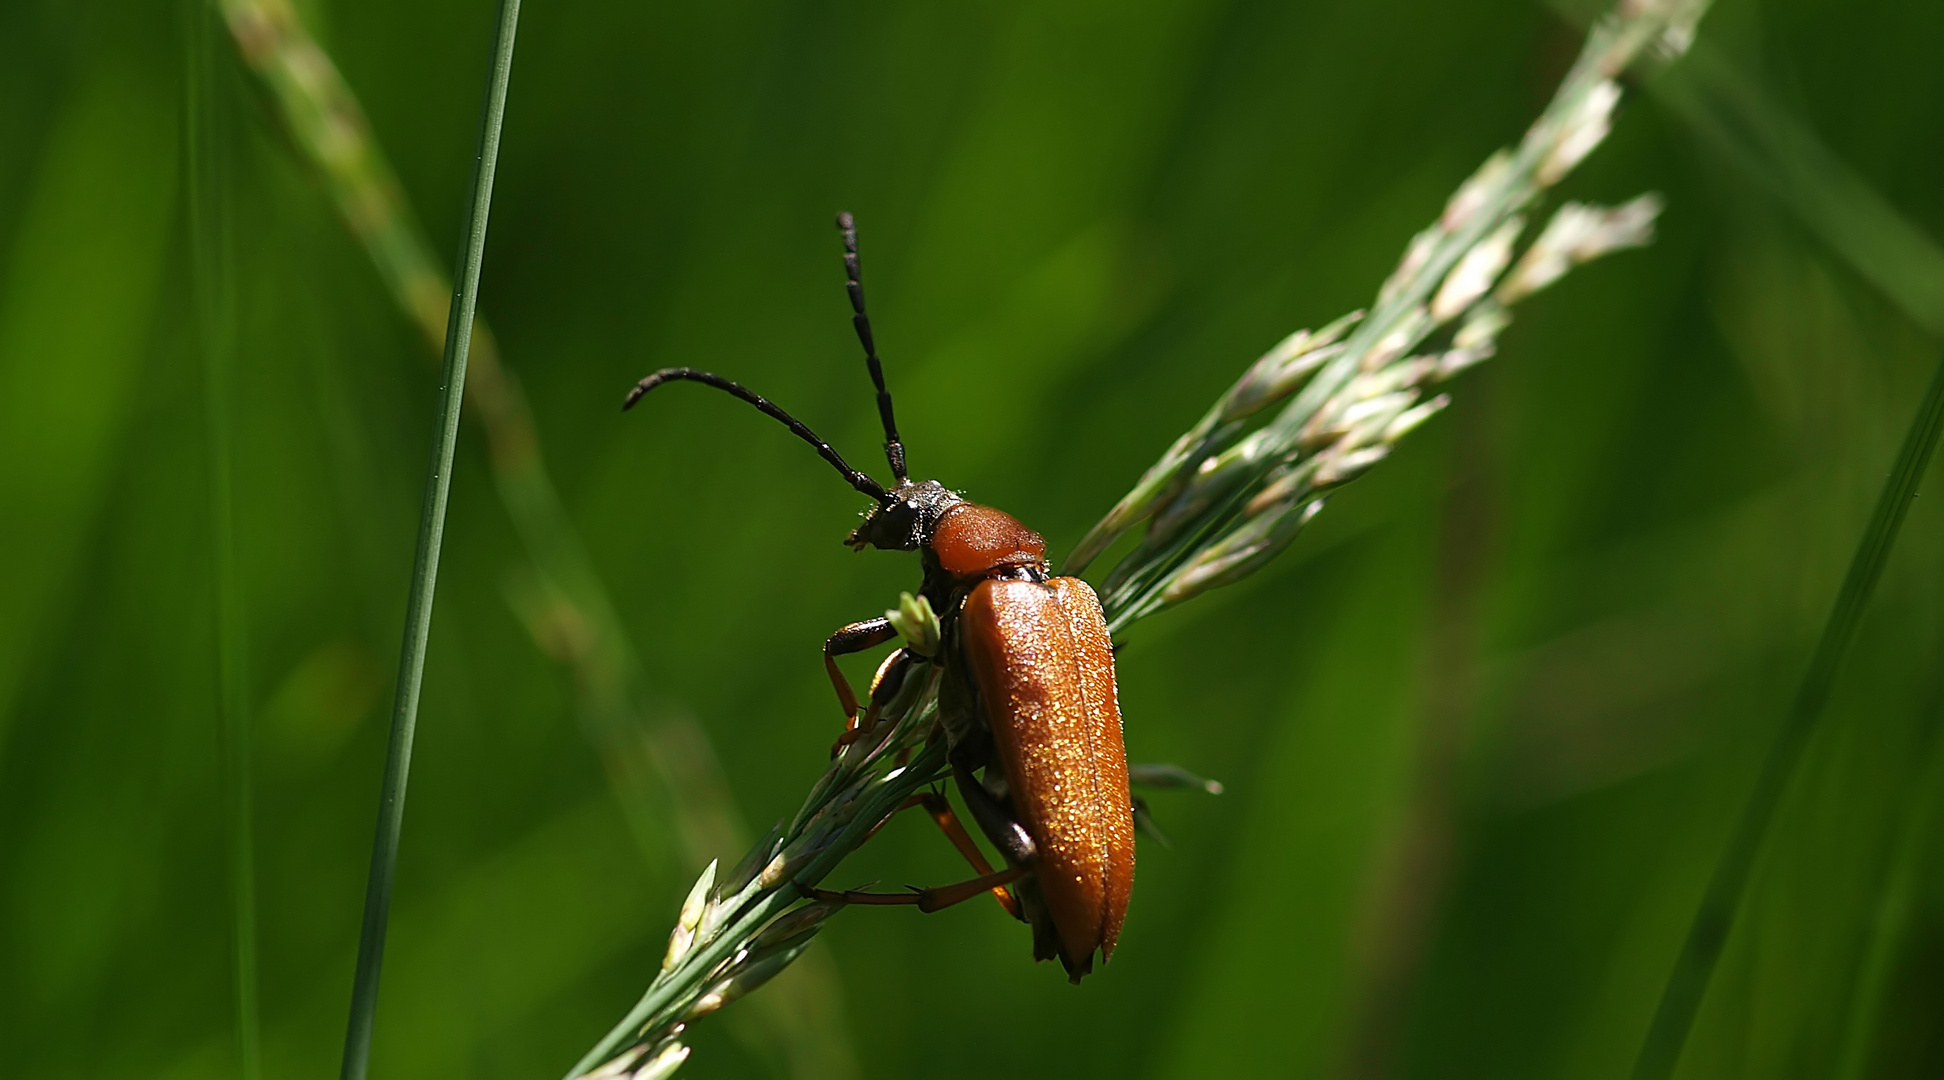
[
  {"x": 974, "y": 542},
  {"x": 964, "y": 540}
]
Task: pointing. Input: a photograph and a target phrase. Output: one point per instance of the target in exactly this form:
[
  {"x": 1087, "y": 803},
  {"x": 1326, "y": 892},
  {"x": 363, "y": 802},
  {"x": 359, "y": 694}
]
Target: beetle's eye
[{"x": 896, "y": 527}]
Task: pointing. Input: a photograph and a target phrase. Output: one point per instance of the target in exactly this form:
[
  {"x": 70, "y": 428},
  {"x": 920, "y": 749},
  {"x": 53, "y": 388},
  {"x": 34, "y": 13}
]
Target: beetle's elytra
[
  {"x": 1027, "y": 696},
  {"x": 1044, "y": 668}
]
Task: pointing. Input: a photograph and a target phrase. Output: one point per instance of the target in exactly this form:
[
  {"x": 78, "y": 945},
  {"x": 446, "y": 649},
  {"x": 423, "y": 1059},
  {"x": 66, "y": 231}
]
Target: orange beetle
[{"x": 1027, "y": 699}]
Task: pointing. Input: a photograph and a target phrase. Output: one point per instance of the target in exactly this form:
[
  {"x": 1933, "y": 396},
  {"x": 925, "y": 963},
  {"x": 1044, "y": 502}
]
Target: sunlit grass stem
[
  {"x": 1708, "y": 935},
  {"x": 425, "y": 563}
]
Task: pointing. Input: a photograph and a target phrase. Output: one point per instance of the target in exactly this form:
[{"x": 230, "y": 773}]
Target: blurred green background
[{"x": 1484, "y": 729}]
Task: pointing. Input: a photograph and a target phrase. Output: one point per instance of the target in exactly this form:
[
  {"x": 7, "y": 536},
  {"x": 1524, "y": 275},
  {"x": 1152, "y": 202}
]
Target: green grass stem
[
  {"x": 425, "y": 565},
  {"x": 213, "y": 280},
  {"x": 1708, "y": 935}
]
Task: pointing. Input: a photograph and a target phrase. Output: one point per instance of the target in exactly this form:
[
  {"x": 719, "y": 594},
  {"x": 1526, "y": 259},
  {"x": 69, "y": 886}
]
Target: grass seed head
[
  {"x": 1584, "y": 130},
  {"x": 1474, "y": 275},
  {"x": 1578, "y": 234}
]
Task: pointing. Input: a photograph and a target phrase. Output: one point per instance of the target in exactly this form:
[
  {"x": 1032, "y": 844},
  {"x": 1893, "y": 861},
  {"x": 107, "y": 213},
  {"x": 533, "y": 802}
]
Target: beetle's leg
[
  {"x": 994, "y": 820},
  {"x": 856, "y": 637},
  {"x": 926, "y": 900},
  {"x": 948, "y": 823},
  {"x": 941, "y": 813},
  {"x": 946, "y": 895},
  {"x": 886, "y": 684}
]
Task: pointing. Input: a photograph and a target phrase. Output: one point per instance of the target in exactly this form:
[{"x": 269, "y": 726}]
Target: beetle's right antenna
[
  {"x": 857, "y": 479},
  {"x": 893, "y": 449}
]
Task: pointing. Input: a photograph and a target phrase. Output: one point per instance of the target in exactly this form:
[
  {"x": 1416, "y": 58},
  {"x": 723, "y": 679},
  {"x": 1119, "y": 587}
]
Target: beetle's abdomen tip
[{"x": 1077, "y": 971}]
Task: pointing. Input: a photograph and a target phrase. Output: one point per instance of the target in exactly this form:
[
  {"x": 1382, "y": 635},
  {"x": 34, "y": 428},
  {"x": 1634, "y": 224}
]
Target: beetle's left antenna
[
  {"x": 857, "y": 479},
  {"x": 893, "y": 449}
]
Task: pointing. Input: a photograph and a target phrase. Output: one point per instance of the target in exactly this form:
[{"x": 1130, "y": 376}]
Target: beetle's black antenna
[
  {"x": 857, "y": 479},
  {"x": 893, "y": 449}
]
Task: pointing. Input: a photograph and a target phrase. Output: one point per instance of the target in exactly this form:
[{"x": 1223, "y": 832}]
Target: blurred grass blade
[
  {"x": 213, "y": 279},
  {"x": 425, "y": 567},
  {"x": 81, "y": 276},
  {"x": 1729, "y": 111},
  {"x": 1897, "y": 901},
  {"x": 1838, "y": 204},
  {"x": 1736, "y": 117},
  {"x": 1708, "y": 935}
]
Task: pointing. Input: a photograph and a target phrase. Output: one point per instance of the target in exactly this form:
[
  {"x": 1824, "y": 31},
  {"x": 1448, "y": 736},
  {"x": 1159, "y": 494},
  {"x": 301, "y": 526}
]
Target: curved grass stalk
[
  {"x": 425, "y": 564},
  {"x": 1226, "y": 498}
]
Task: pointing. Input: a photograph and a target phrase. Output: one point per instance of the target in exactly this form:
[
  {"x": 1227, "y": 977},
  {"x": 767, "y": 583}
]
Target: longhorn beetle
[{"x": 1026, "y": 699}]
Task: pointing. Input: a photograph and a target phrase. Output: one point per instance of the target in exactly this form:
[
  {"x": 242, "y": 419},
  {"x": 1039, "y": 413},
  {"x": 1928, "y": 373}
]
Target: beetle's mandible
[{"x": 1027, "y": 697}]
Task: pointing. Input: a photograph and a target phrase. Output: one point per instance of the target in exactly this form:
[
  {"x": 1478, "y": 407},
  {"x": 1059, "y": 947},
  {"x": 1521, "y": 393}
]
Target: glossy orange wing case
[{"x": 1043, "y": 663}]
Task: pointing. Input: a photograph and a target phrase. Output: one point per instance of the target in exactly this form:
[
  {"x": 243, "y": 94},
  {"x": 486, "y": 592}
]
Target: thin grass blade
[{"x": 425, "y": 568}]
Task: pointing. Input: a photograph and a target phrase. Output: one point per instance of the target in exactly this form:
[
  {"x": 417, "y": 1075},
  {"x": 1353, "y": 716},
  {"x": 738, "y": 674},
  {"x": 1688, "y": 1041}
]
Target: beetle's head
[{"x": 906, "y": 518}]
